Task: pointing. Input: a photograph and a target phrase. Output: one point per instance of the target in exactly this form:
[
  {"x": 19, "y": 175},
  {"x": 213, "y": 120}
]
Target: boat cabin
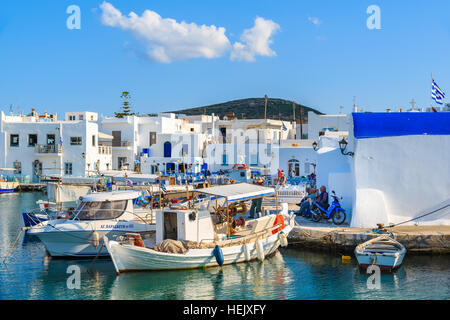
[
  {"x": 211, "y": 222},
  {"x": 106, "y": 206}
]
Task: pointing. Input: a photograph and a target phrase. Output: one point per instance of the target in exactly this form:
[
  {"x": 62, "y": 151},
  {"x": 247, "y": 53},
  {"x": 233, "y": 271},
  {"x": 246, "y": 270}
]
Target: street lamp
[
  {"x": 343, "y": 145},
  {"x": 314, "y": 145}
]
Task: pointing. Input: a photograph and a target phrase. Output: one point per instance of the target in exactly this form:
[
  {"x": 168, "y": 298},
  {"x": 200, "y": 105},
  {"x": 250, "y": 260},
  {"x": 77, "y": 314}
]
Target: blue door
[{"x": 167, "y": 150}]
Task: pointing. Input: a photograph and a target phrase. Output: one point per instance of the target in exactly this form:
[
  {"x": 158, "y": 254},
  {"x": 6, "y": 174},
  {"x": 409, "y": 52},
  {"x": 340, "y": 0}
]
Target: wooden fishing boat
[
  {"x": 383, "y": 251},
  {"x": 197, "y": 240}
]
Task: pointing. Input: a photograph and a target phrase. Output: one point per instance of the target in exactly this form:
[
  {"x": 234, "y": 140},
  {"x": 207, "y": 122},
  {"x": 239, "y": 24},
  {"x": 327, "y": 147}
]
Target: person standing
[{"x": 256, "y": 207}]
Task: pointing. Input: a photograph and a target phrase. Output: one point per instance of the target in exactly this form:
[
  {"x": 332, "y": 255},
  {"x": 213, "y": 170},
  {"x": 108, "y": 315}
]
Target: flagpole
[{"x": 431, "y": 96}]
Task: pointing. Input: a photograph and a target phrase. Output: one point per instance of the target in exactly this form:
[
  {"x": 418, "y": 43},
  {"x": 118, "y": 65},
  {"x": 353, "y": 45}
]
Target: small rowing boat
[{"x": 383, "y": 251}]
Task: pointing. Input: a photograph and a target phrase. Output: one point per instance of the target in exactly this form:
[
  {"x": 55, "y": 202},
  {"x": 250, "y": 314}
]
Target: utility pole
[
  {"x": 301, "y": 122},
  {"x": 293, "y": 110},
  {"x": 265, "y": 107}
]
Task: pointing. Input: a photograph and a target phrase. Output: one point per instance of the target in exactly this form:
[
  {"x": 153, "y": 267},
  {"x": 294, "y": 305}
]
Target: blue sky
[{"x": 45, "y": 65}]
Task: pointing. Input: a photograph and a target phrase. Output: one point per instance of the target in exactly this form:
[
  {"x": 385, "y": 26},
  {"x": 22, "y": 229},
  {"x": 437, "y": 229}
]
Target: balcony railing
[
  {"x": 48, "y": 149},
  {"x": 121, "y": 144},
  {"x": 104, "y": 149}
]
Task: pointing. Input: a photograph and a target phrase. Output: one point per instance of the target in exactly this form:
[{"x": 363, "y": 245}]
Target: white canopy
[
  {"x": 111, "y": 196},
  {"x": 238, "y": 192},
  {"x": 104, "y": 136}
]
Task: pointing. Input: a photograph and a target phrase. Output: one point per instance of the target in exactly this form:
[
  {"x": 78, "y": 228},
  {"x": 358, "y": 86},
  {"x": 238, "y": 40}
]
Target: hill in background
[{"x": 253, "y": 108}]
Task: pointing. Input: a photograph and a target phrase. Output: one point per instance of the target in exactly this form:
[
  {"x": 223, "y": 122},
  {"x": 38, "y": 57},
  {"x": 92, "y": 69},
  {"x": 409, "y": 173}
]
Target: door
[
  {"x": 121, "y": 161},
  {"x": 37, "y": 170},
  {"x": 170, "y": 225},
  {"x": 167, "y": 150}
]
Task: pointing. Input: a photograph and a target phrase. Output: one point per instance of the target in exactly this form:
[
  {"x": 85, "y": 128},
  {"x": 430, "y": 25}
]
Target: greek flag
[
  {"x": 436, "y": 93},
  {"x": 284, "y": 127},
  {"x": 163, "y": 188}
]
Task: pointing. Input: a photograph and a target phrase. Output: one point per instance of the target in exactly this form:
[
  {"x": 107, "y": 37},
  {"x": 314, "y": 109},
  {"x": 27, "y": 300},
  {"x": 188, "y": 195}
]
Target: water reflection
[{"x": 254, "y": 280}]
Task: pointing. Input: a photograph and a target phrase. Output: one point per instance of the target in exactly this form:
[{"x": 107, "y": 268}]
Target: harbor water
[{"x": 291, "y": 273}]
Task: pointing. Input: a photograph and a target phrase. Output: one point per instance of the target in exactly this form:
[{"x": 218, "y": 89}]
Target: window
[
  {"x": 75, "y": 141},
  {"x": 32, "y": 140},
  {"x": 68, "y": 168},
  {"x": 93, "y": 140},
  {"x": 152, "y": 138},
  {"x": 50, "y": 139},
  {"x": 18, "y": 166},
  {"x": 104, "y": 210},
  {"x": 72, "y": 118},
  {"x": 14, "y": 140},
  {"x": 81, "y": 117},
  {"x": 307, "y": 164}
]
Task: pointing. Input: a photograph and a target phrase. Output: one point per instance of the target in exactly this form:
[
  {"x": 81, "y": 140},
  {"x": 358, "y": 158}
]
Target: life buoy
[{"x": 280, "y": 221}]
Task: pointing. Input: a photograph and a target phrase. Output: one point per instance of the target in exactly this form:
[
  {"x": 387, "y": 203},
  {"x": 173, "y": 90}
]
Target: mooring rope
[
  {"x": 424, "y": 215},
  {"x": 9, "y": 252}
]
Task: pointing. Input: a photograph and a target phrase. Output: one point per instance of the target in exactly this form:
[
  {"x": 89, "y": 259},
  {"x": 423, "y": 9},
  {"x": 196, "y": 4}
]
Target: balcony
[{"x": 41, "y": 149}]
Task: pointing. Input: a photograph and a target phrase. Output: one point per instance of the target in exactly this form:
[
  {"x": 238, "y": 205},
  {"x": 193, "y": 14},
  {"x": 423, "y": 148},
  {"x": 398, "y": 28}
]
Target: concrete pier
[{"x": 416, "y": 239}]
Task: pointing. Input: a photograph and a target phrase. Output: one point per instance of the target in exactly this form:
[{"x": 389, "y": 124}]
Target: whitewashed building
[{"x": 37, "y": 145}]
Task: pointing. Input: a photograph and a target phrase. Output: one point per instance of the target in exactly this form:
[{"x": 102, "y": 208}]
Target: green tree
[{"x": 126, "y": 108}]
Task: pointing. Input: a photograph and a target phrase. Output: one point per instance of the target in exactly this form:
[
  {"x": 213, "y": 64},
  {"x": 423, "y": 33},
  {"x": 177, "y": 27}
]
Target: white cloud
[
  {"x": 315, "y": 21},
  {"x": 167, "y": 40},
  {"x": 255, "y": 41}
]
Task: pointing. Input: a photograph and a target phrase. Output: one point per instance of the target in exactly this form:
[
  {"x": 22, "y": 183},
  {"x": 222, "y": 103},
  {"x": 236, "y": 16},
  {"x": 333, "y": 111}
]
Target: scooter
[{"x": 334, "y": 212}]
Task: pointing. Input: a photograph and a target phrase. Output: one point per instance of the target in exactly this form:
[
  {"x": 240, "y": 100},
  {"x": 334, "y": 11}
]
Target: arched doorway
[
  {"x": 167, "y": 150},
  {"x": 294, "y": 164}
]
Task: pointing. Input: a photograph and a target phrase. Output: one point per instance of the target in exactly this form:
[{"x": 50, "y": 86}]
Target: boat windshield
[{"x": 103, "y": 210}]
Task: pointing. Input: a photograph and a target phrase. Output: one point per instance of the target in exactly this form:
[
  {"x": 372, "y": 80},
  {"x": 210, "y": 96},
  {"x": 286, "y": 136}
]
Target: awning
[
  {"x": 104, "y": 136},
  {"x": 238, "y": 192}
]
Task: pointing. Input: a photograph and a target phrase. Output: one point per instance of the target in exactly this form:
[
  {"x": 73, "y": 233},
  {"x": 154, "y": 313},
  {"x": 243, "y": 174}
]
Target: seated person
[
  {"x": 305, "y": 205},
  {"x": 322, "y": 198}
]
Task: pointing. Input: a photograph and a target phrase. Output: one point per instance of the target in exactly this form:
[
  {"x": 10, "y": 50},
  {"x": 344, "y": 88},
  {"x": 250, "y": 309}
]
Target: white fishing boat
[
  {"x": 382, "y": 251},
  {"x": 98, "y": 214},
  {"x": 205, "y": 237}
]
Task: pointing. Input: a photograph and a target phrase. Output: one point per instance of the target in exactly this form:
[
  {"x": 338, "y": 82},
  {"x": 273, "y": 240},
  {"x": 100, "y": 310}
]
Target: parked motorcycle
[{"x": 334, "y": 212}]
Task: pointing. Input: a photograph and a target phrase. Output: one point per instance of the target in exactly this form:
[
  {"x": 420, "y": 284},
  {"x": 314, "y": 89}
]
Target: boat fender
[
  {"x": 219, "y": 255},
  {"x": 95, "y": 239},
  {"x": 283, "y": 239},
  {"x": 260, "y": 250},
  {"x": 246, "y": 252}
]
